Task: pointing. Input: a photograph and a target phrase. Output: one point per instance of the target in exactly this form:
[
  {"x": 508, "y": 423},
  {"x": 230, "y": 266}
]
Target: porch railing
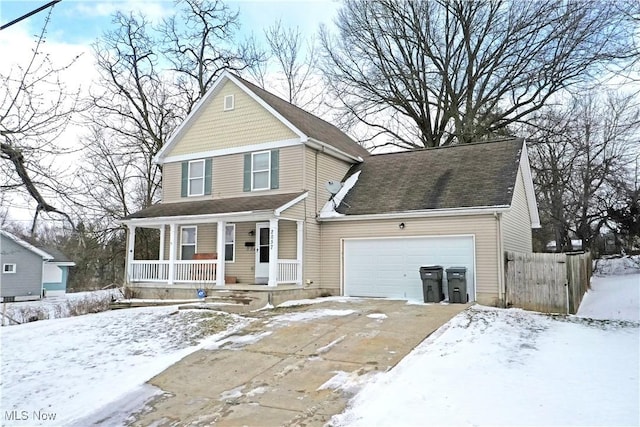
[
  {"x": 150, "y": 271},
  {"x": 196, "y": 271},
  {"x": 202, "y": 271},
  {"x": 288, "y": 271}
]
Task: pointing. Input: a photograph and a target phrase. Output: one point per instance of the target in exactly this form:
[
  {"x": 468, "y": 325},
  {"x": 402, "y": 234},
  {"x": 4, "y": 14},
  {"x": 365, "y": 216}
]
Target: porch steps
[
  {"x": 230, "y": 302},
  {"x": 116, "y": 305}
]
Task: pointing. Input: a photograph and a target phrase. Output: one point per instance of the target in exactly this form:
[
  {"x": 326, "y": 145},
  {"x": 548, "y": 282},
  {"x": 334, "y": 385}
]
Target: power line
[{"x": 33, "y": 12}]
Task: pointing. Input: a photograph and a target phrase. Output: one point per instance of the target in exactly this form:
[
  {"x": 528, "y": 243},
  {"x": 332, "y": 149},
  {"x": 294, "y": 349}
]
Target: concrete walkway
[{"x": 277, "y": 378}]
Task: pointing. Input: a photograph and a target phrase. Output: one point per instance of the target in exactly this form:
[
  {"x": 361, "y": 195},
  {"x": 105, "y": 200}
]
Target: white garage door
[{"x": 390, "y": 267}]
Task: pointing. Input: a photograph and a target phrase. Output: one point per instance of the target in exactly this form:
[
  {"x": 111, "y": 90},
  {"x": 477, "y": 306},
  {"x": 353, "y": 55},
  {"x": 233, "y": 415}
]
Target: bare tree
[
  {"x": 428, "y": 73},
  {"x": 199, "y": 43},
  {"x": 291, "y": 68},
  {"x": 580, "y": 155},
  {"x": 35, "y": 108},
  {"x": 132, "y": 114}
]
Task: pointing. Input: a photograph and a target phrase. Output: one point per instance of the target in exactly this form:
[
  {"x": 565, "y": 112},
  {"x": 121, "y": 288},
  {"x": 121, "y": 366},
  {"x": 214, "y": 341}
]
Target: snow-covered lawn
[
  {"x": 485, "y": 367},
  {"x": 511, "y": 367},
  {"x": 58, "y": 307},
  {"x": 71, "y": 368}
]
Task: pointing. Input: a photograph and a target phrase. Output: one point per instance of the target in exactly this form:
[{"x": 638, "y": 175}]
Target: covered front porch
[
  {"x": 217, "y": 244},
  {"x": 229, "y": 250}
]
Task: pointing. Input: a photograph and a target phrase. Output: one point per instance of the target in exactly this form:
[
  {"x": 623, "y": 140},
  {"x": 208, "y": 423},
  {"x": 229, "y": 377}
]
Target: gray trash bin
[
  {"x": 457, "y": 284},
  {"x": 432, "y": 283}
]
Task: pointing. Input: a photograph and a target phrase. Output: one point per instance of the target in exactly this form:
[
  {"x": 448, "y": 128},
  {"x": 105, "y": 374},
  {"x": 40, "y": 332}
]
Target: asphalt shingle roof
[
  {"x": 57, "y": 255},
  {"x": 460, "y": 176},
  {"x": 309, "y": 124},
  {"x": 216, "y": 206}
]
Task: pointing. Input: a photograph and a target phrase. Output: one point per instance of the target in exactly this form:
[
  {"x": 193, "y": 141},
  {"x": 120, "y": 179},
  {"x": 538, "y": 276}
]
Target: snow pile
[
  {"x": 77, "y": 366},
  {"x": 612, "y": 298},
  {"x": 509, "y": 367},
  {"x": 617, "y": 265}
]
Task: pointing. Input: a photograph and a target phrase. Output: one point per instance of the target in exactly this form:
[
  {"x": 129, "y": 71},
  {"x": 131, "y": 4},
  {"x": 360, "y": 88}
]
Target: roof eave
[
  {"x": 329, "y": 149},
  {"x": 45, "y": 256},
  {"x": 199, "y": 219},
  {"x": 530, "y": 193},
  {"x": 426, "y": 213},
  {"x": 278, "y": 211}
]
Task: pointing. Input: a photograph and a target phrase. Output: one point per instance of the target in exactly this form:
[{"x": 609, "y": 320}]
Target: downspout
[
  {"x": 316, "y": 184},
  {"x": 500, "y": 249}
]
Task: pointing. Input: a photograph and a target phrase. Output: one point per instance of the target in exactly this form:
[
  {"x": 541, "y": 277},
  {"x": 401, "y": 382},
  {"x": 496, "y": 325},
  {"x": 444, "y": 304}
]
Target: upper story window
[
  {"x": 229, "y": 103},
  {"x": 9, "y": 268},
  {"x": 196, "y": 178},
  {"x": 260, "y": 170}
]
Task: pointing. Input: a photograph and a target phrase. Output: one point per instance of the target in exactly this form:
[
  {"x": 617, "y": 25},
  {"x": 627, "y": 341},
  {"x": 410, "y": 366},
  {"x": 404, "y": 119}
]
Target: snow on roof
[
  {"x": 26, "y": 245},
  {"x": 329, "y": 208}
]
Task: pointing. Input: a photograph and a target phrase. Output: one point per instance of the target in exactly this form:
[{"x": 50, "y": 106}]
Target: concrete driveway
[{"x": 277, "y": 372}]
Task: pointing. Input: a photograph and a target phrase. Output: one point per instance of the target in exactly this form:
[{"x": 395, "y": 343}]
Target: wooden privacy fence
[{"x": 549, "y": 283}]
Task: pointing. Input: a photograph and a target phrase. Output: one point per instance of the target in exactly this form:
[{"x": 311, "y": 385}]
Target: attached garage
[{"x": 388, "y": 267}]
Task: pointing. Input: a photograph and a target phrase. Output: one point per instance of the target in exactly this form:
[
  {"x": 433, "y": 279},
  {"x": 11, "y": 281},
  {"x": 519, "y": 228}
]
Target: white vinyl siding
[
  {"x": 213, "y": 128},
  {"x": 516, "y": 223},
  {"x": 227, "y": 177}
]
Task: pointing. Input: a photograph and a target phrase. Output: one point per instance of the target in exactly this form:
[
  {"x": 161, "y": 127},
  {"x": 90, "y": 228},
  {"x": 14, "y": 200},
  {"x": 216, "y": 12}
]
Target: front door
[{"x": 262, "y": 253}]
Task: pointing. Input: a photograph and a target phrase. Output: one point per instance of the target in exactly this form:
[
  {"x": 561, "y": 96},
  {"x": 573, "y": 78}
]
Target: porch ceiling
[{"x": 242, "y": 205}]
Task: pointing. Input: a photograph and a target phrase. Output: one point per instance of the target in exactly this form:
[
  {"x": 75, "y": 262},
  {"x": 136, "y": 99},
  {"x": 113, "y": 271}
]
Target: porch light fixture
[
  {"x": 252, "y": 232},
  {"x": 401, "y": 226}
]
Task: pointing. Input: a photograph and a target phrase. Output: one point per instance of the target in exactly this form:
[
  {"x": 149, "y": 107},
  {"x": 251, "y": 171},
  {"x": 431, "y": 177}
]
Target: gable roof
[
  {"x": 307, "y": 126},
  {"x": 217, "y": 206},
  {"x": 310, "y": 125},
  {"x": 58, "y": 256},
  {"x": 45, "y": 255},
  {"x": 479, "y": 175}
]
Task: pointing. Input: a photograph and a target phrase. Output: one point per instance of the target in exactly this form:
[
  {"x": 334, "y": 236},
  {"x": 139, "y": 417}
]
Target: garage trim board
[{"x": 387, "y": 267}]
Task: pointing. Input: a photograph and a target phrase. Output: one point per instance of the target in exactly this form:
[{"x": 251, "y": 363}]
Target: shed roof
[{"x": 216, "y": 206}]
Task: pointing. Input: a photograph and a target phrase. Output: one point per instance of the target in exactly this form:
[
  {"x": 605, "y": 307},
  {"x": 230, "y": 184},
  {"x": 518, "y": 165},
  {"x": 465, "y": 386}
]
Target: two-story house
[{"x": 245, "y": 206}]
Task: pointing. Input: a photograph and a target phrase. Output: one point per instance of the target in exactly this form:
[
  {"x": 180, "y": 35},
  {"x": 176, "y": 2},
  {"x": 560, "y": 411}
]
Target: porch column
[
  {"x": 131, "y": 244},
  {"x": 299, "y": 250},
  {"x": 161, "y": 250},
  {"x": 173, "y": 238},
  {"x": 273, "y": 252},
  {"x": 222, "y": 225}
]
